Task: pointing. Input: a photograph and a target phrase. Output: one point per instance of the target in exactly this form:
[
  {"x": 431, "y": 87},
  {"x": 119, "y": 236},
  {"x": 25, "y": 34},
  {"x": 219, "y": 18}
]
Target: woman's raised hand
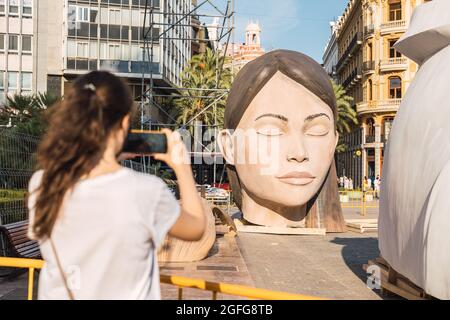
[{"x": 177, "y": 155}]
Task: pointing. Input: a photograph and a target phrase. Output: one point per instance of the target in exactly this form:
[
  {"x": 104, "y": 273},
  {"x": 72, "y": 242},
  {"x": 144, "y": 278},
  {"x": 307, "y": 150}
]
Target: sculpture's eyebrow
[
  {"x": 314, "y": 116},
  {"x": 272, "y": 115}
]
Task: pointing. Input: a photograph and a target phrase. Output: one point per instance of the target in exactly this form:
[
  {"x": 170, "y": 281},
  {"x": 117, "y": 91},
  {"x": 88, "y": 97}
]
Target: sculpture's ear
[{"x": 226, "y": 145}]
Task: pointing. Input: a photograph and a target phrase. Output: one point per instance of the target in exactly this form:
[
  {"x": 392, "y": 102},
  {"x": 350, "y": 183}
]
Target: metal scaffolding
[{"x": 156, "y": 18}]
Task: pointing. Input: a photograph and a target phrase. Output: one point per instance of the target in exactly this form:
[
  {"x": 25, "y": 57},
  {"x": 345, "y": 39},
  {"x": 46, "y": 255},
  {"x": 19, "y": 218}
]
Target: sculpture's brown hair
[
  {"x": 255, "y": 75},
  {"x": 76, "y": 140}
]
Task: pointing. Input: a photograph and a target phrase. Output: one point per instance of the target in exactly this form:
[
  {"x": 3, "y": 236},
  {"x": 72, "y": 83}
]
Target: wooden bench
[{"x": 15, "y": 243}]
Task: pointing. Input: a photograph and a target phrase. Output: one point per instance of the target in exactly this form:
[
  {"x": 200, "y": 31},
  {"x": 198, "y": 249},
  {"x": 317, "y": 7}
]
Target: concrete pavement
[{"x": 328, "y": 266}]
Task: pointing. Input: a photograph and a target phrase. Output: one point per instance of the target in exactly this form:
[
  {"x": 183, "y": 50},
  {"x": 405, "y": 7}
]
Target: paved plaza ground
[{"x": 328, "y": 266}]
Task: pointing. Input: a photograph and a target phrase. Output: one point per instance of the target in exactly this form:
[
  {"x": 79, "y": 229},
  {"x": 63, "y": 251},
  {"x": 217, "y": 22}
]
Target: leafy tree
[
  {"x": 26, "y": 112},
  {"x": 19, "y": 141},
  {"x": 206, "y": 72},
  {"x": 346, "y": 114}
]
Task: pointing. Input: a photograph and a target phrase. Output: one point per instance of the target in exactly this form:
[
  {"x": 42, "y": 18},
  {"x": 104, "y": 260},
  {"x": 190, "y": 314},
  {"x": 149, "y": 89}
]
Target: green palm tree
[
  {"x": 46, "y": 100},
  {"x": 206, "y": 72},
  {"x": 346, "y": 114},
  {"x": 27, "y": 112}
]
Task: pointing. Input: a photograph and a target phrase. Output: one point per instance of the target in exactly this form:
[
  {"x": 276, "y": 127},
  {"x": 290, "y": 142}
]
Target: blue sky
[{"x": 301, "y": 25}]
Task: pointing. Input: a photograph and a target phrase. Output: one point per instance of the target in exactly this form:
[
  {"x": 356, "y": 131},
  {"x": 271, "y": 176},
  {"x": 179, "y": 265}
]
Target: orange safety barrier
[{"x": 180, "y": 282}]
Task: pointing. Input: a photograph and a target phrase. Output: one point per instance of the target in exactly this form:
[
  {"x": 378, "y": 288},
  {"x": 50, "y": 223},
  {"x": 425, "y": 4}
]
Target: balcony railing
[
  {"x": 355, "y": 43},
  {"x": 390, "y": 105},
  {"x": 398, "y": 24},
  {"x": 137, "y": 67},
  {"x": 370, "y": 139},
  {"x": 373, "y": 139},
  {"x": 347, "y": 81},
  {"x": 352, "y": 79},
  {"x": 369, "y": 30},
  {"x": 368, "y": 66},
  {"x": 391, "y": 61},
  {"x": 394, "y": 64}
]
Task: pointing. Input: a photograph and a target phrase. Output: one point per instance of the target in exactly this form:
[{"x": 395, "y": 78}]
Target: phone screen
[{"x": 145, "y": 142}]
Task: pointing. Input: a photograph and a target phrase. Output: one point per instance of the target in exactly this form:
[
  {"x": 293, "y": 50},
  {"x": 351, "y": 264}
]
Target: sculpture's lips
[
  {"x": 297, "y": 178},
  {"x": 298, "y": 175}
]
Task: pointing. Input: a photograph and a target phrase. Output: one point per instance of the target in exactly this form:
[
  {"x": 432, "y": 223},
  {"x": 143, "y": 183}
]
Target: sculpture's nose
[{"x": 297, "y": 151}]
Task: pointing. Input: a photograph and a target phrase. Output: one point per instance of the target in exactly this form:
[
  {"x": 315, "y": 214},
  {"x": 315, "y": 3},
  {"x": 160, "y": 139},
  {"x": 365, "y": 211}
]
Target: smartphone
[{"x": 145, "y": 142}]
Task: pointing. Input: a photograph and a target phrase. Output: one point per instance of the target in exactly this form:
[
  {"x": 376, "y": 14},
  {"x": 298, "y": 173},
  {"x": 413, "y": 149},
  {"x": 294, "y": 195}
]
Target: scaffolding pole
[{"x": 157, "y": 18}]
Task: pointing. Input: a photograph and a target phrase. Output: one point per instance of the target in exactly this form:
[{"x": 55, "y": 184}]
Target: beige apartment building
[
  {"x": 17, "y": 25},
  {"x": 375, "y": 75},
  {"x": 46, "y": 44}
]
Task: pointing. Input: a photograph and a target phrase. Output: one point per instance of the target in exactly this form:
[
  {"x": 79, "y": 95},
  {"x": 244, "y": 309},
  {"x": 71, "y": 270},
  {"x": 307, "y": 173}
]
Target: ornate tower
[{"x": 253, "y": 35}]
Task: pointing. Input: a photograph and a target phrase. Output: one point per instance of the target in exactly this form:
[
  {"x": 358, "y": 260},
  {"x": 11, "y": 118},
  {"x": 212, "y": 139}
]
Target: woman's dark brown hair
[
  {"x": 76, "y": 140},
  {"x": 256, "y": 74}
]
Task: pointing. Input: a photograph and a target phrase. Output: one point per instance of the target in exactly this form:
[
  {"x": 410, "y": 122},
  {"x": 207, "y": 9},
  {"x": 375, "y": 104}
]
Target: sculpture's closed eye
[
  {"x": 269, "y": 131},
  {"x": 317, "y": 130}
]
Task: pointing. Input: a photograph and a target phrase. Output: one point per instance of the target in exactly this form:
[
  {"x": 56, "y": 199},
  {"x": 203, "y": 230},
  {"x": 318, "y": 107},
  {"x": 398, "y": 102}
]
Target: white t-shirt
[
  {"x": 377, "y": 183},
  {"x": 106, "y": 236}
]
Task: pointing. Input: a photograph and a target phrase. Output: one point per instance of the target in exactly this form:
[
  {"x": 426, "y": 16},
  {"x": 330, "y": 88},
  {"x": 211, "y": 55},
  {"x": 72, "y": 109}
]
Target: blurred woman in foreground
[{"x": 99, "y": 224}]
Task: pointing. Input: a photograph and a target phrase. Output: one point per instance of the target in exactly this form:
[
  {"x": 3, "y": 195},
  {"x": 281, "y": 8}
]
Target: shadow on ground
[{"x": 358, "y": 251}]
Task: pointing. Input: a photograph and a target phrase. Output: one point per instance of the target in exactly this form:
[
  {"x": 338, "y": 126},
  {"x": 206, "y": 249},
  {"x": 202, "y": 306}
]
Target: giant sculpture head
[{"x": 280, "y": 136}]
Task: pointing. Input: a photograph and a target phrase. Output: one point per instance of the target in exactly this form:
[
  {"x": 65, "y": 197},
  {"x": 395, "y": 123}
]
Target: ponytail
[{"x": 76, "y": 141}]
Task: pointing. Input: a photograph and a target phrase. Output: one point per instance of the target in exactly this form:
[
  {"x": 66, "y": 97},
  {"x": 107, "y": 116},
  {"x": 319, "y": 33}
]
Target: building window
[
  {"x": 26, "y": 44},
  {"x": 83, "y": 14},
  {"x": 27, "y": 8},
  {"x": 114, "y": 16},
  {"x": 26, "y": 81},
  {"x": 94, "y": 17},
  {"x": 71, "y": 49},
  {"x": 370, "y": 125},
  {"x": 2, "y": 86},
  {"x": 370, "y": 90},
  {"x": 115, "y": 52},
  {"x": 395, "y": 10},
  {"x": 395, "y": 88},
  {"x": 2, "y": 80},
  {"x": 370, "y": 52},
  {"x": 93, "y": 50},
  {"x": 83, "y": 50},
  {"x": 126, "y": 17},
  {"x": 126, "y": 53},
  {"x": 13, "y": 43},
  {"x": 135, "y": 18},
  {"x": 2, "y": 7},
  {"x": 136, "y": 53},
  {"x": 103, "y": 51},
  {"x": 2, "y": 42},
  {"x": 12, "y": 81},
  {"x": 14, "y": 7},
  {"x": 392, "y": 52},
  {"x": 71, "y": 20}
]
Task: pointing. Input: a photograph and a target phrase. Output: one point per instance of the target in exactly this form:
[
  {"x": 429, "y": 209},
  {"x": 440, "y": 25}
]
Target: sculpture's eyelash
[{"x": 319, "y": 135}]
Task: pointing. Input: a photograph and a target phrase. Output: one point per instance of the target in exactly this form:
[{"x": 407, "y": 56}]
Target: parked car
[
  {"x": 217, "y": 193},
  {"x": 225, "y": 186}
]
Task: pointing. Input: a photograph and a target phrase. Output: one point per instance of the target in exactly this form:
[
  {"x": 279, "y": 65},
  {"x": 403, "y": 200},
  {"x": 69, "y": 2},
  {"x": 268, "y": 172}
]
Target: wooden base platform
[
  {"x": 242, "y": 226},
  {"x": 393, "y": 282},
  {"x": 362, "y": 225}
]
